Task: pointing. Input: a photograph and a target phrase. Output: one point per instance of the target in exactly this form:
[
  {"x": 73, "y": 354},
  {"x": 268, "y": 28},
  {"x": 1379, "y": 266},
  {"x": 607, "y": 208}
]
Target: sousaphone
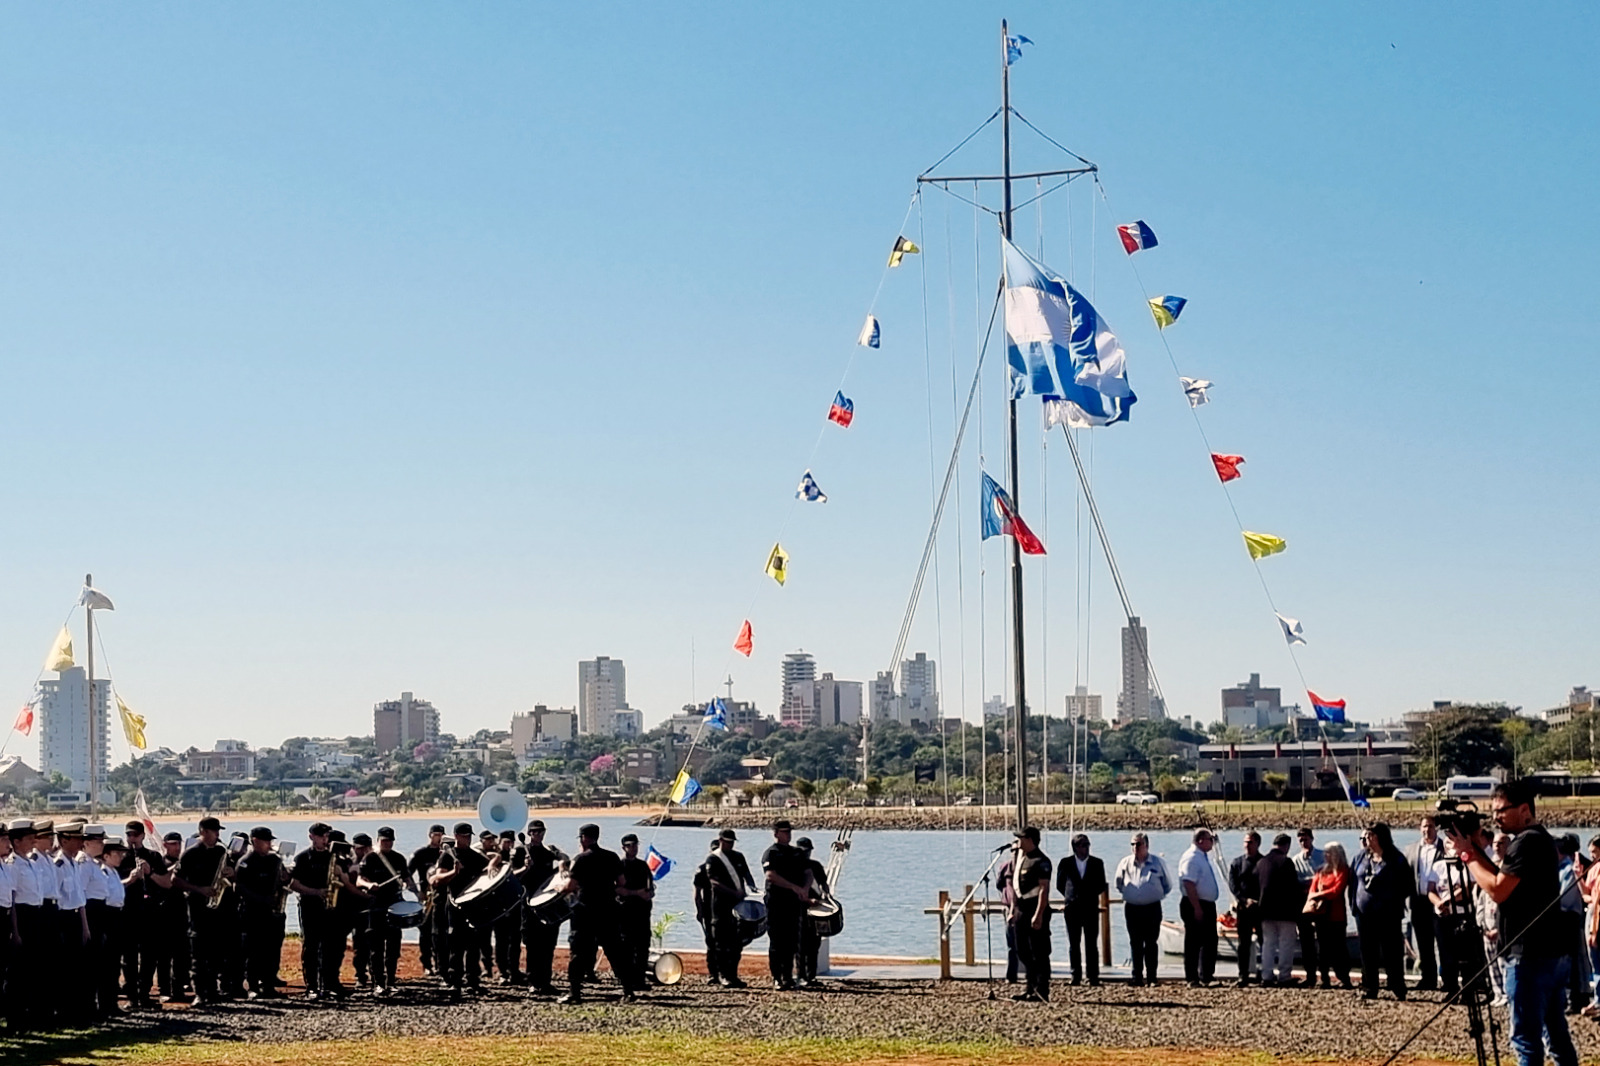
[{"x": 501, "y": 807}]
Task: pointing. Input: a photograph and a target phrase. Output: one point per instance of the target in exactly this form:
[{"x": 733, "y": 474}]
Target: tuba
[
  {"x": 237, "y": 844},
  {"x": 502, "y": 807}
]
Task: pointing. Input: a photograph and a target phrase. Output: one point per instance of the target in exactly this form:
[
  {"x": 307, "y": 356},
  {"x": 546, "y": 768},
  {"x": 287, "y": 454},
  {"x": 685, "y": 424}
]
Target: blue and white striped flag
[
  {"x": 810, "y": 491},
  {"x": 717, "y": 715}
]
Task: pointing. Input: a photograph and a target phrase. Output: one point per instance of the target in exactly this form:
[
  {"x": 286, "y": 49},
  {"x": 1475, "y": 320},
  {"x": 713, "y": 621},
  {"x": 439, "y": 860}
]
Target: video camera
[{"x": 1457, "y": 816}]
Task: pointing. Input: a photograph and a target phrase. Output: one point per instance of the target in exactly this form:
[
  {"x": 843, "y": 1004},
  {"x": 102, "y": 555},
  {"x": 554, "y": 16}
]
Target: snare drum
[
  {"x": 826, "y": 917},
  {"x": 752, "y": 915},
  {"x": 405, "y": 914}
]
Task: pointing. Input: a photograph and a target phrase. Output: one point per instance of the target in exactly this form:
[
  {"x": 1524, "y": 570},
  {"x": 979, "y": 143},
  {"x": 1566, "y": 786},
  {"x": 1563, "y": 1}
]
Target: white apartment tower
[
  {"x": 64, "y": 726},
  {"x": 838, "y": 702},
  {"x": 799, "y": 705},
  {"x": 1084, "y": 707},
  {"x": 1133, "y": 702},
  {"x": 885, "y": 702},
  {"x": 919, "y": 687},
  {"x": 602, "y": 691}
]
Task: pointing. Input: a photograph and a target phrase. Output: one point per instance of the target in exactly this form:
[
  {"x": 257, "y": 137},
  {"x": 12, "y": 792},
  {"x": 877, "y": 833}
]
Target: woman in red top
[{"x": 1325, "y": 901}]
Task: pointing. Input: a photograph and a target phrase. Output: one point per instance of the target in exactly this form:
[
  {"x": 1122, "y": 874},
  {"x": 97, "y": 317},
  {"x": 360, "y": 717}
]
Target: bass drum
[
  {"x": 752, "y": 915},
  {"x": 665, "y": 967},
  {"x": 405, "y": 914},
  {"x": 551, "y": 905},
  {"x": 826, "y": 917},
  {"x": 490, "y": 898}
]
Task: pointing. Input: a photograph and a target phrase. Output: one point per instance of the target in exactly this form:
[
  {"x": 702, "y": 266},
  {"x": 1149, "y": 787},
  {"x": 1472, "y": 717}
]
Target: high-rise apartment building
[
  {"x": 885, "y": 704},
  {"x": 602, "y": 691},
  {"x": 404, "y": 723},
  {"x": 64, "y": 727},
  {"x": 799, "y": 706},
  {"x": 1082, "y": 706},
  {"x": 1248, "y": 705},
  {"x": 1133, "y": 702},
  {"x": 838, "y": 702},
  {"x": 919, "y": 688}
]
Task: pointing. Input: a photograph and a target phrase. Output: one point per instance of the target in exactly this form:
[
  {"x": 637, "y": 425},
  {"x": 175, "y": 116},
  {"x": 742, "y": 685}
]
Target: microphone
[{"x": 1004, "y": 847}]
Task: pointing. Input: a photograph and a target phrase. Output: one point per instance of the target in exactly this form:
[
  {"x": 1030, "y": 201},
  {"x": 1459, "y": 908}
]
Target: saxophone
[
  {"x": 330, "y": 894},
  {"x": 230, "y": 859}
]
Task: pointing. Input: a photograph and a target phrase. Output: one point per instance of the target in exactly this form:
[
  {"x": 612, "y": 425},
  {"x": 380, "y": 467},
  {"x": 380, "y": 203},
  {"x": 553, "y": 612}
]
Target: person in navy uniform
[
  {"x": 208, "y": 927},
  {"x": 145, "y": 880},
  {"x": 1081, "y": 880},
  {"x": 423, "y": 860},
  {"x": 787, "y": 899},
  {"x": 635, "y": 898},
  {"x": 534, "y": 865},
  {"x": 596, "y": 877},
  {"x": 308, "y": 878},
  {"x": 260, "y": 878},
  {"x": 1030, "y": 913},
  {"x": 459, "y": 866},
  {"x": 384, "y": 876},
  {"x": 728, "y": 874},
  {"x": 810, "y": 942}
]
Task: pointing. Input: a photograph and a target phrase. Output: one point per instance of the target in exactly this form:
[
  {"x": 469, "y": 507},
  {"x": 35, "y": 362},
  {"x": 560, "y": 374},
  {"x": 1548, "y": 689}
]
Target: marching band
[{"x": 93, "y": 925}]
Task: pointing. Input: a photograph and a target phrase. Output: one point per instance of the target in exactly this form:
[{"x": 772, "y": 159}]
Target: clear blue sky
[{"x": 378, "y": 347}]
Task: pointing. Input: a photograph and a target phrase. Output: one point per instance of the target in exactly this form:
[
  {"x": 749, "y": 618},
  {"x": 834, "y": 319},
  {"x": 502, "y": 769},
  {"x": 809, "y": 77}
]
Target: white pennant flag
[
  {"x": 60, "y": 655},
  {"x": 1291, "y": 629},
  {"x": 869, "y": 333},
  {"x": 95, "y": 600},
  {"x": 1195, "y": 389}
]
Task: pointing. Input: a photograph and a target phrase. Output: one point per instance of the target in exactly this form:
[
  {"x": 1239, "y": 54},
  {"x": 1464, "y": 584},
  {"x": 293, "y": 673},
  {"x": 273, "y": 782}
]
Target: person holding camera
[{"x": 1527, "y": 887}]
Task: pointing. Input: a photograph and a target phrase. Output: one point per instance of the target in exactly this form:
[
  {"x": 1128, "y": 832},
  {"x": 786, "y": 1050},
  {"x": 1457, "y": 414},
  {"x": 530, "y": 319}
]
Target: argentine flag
[{"x": 1059, "y": 346}]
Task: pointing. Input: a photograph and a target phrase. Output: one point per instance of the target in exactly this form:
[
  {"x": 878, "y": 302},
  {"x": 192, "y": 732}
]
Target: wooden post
[
  {"x": 1105, "y": 927},
  {"x": 966, "y": 921},
  {"x": 944, "y": 937}
]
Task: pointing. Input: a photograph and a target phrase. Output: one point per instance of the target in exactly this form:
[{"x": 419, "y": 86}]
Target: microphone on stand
[{"x": 1004, "y": 847}]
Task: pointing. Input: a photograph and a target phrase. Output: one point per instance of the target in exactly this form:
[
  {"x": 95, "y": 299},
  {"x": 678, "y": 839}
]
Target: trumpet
[{"x": 219, "y": 883}]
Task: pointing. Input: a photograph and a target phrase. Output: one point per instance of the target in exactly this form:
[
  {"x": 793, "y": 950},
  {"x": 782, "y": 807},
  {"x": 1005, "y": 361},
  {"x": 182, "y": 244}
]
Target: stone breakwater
[{"x": 1166, "y": 817}]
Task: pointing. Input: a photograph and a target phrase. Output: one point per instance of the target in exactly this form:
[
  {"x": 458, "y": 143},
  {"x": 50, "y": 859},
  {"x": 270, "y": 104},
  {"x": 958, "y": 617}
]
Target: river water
[{"x": 890, "y": 877}]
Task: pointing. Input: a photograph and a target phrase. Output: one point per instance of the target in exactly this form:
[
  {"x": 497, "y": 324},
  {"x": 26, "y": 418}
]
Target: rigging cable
[
  {"x": 983, "y": 599},
  {"x": 938, "y": 581},
  {"x": 961, "y": 523}
]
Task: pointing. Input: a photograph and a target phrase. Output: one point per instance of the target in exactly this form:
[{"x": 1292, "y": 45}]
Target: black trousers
[
  {"x": 590, "y": 934},
  {"x": 139, "y": 948},
  {"x": 1249, "y": 931},
  {"x": 1306, "y": 928},
  {"x": 1332, "y": 951},
  {"x": 174, "y": 968},
  {"x": 1422, "y": 928},
  {"x": 359, "y": 922},
  {"x": 320, "y": 933},
  {"x": 74, "y": 970},
  {"x": 810, "y": 948},
  {"x": 783, "y": 936},
  {"x": 383, "y": 937},
  {"x": 635, "y": 943},
  {"x": 1011, "y": 953},
  {"x": 214, "y": 943},
  {"x": 486, "y": 948},
  {"x": 1144, "y": 934},
  {"x": 431, "y": 963},
  {"x": 540, "y": 941},
  {"x": 1033, "y": 951},
  {"x": 263, "y": 945},
  {"x": 711, "y": 946},
  {"x": 25, "y": 991},
  {"x": 462, "y": 948},
  {"x": 1382, "y": 948},
  {"x": 508, "y": 945},
  {"x": 1199, "y": 939},
  {"x": 1083, "y": 928},
  {"x": 729, "y": 945},
  {"x": 104, "y": 955}
]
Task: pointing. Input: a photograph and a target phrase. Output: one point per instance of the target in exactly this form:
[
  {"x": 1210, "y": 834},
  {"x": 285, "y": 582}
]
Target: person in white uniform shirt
[
  {"x": 1198, "y": 909},
  {"x": 7, "y": 922},
  {"x": 72, "y": 922},
  {"x": 110, "y": 858}
]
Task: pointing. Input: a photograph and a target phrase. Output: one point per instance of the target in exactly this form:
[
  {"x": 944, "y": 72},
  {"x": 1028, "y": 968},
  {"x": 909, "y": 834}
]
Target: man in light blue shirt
[
  {"x": 1198, "y": 909},
  {"x": 1143, "y": 881}
]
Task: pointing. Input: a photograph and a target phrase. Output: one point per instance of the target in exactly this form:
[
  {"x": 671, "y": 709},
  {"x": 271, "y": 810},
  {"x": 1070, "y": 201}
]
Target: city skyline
[{"x": 352, "y": 413}]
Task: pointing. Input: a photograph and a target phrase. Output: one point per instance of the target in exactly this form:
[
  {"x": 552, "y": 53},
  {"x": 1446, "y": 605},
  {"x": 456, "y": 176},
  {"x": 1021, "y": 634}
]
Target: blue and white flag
[
  {"x": 869, "y": 333},
  {"x": 810, "y": 491},
  {"x": 717, "y": 715},
  {"x": 1059, "y": 346},
  {"x": 660, "y": 865},
  {"x": 1355, "y": 798},
  {"x": 1014, "y": 48}
]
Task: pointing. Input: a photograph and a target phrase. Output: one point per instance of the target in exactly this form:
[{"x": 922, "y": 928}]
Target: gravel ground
[{"x": 1331, "y": 1024}]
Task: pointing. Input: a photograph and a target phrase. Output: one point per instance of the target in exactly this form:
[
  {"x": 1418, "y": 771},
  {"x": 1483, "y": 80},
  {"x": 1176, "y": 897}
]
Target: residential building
[
  {"x": 228, "y": 760},
  {"x": 1579, "y": 701},
  {"x": 17, "y": 777},
  {"x": 643, "y": 765},
  {"x": 997, "y": 707},
  {"x": 1134, "y": 703},
  {"x": 742, "y": 716},
  {"x": 919, "y": 687},
  {"x": 838, "y": 702},
  {"x": 404, "y": 723},
  {"x": 1249, "y": 705},
  {"x": 1239, "y": 770},
  {"x": 798, "y": 706},
  {"x": 64, "y": 727},
  {"x": 1081, "y": 706},
  {"x": 602, "y": 691},
  {"x": 627, "y": 723},
  {"x": 886, "y": 704}
]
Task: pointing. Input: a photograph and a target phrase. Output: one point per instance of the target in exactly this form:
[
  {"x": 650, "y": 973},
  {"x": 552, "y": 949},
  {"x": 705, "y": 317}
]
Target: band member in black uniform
[
  {"x": 816, "y": 889},
  {"x": 489, "y": 844},
  {"x": 538, "y": 864},
  {"x": 309, "y": 879},
  {"x": 421, "y": 865},
  {"x": 174, "y": 969},
  {"x": 260, "y": 878},
  {"x": 357, "y": 913},
  {"x": 635, "y": 898},
  {"x": 731, "y": 882},
  {"x": 507, "y": 929},
  {"x": 1030, "y": 913},
  {"x": 383, "y": 875},
  {"x": 459, "y": 867},
  {"x": 787, "y": 899},
  {"x": 596, "y": 876},
  {"x": 702, "y": 914},
  {"x": 208, "y": 927},
  {"x": 144, "y": 876}
]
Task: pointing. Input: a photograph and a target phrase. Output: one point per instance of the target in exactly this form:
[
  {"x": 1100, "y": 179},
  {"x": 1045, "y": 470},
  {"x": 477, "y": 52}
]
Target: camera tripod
[{"x": 1472, "y": 963}]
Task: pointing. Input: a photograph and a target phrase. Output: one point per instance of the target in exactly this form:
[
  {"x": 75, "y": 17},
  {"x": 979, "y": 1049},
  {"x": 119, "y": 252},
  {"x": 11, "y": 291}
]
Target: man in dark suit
[{"x": 1081, "y": 880}]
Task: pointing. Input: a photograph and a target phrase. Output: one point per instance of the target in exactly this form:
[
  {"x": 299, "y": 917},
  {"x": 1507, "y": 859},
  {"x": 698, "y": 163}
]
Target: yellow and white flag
[
  {"x": 132, "y": 726},
  {"x": 902, "y": 248},
  {"x": 1263, "y": 544},
  {"x": 60, "y": 655},
  {"x": 778, "y": 564}
]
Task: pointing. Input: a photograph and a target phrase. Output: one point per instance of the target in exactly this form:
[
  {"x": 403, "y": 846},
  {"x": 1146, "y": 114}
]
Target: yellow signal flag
[
  {"x": 778, "y": 564},
  {"x": 132, "y": 726},
  {"x": 1263, "y": 544},
  {"x": 902, "y": 248},
  {"x": 60, "y": 654}
]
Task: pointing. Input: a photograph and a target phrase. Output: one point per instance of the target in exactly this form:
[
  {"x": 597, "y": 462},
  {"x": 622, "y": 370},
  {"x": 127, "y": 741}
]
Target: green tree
[
  {"x": 1466, "y": 740},
  {"x": 714, "y": 794},
  {"x": 1101, "y": 776},
  {"x": 1278, "y": 782},
  {"x": 1167, "y": 784},
  {"x": 874, "y": 786},
  {"x": 803, "y": 788}
]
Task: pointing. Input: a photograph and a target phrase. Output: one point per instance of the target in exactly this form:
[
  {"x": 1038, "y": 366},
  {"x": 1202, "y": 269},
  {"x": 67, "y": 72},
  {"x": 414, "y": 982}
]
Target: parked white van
[{"x": 1476, "y": 789}]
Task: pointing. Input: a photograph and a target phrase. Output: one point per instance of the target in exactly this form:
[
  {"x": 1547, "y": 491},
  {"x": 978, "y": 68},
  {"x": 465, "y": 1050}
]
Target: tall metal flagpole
[
  {"x": 1019, "y": 682},
  {"x": 94, "y": 755}
]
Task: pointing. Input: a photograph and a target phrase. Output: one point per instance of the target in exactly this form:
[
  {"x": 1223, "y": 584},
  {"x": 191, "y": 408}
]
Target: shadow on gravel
[{"x": 91, "y": 1045}]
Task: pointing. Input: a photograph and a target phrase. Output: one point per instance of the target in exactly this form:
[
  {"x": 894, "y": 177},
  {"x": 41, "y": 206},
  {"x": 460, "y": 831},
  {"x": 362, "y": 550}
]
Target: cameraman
[{"x": 1527, "y": 888}]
